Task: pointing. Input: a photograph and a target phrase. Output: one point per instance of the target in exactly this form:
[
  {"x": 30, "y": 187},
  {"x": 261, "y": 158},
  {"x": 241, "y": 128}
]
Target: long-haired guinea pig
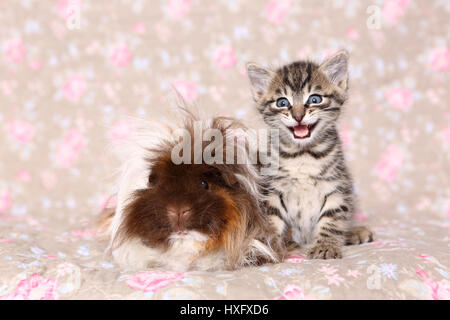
[{"x": 188, "y": 216}]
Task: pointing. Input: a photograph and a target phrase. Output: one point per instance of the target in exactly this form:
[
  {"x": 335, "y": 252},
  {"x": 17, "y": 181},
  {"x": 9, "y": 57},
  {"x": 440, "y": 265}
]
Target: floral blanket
[
  {"x": 71, "y": 70},
  {"x": 408, "y": 260}
]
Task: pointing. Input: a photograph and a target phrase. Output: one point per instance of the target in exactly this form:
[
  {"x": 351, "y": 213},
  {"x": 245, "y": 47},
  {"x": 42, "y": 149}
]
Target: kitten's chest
[
  {"x": 302, "y": 195},
  {"x": 301, "y": 184}
]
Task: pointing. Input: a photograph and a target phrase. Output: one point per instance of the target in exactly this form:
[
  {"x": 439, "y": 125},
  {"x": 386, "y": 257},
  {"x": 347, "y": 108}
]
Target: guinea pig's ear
[
  {"x": 225, "y": 174},
  {"x": 230, "y": 179}
]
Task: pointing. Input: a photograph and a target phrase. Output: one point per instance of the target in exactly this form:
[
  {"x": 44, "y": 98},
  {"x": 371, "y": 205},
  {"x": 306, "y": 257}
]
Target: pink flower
[
  {"x": 328, "y": 270},
  {"x": 34, "y": 288},
  {"x": 394, "y": 10},
  {"x": 69, "y": 149},
  {"x": 225, "y": 57},
  {"x": 440, "y": 59},
  {"x": 360, "y": 216},
  {"x": 14, "y": 50},
  {"x": 276, "y": 10},
  {"x": 423, "y": 204},
  {"x": 187, "y": 89},
  {"x": 120, "y": 130},
  {"x": 152, "y": 281},
  {"x": 48, "y": 179},
  {"x": 84, "y": 234},
  {"x": 179, "y": 8},
  {"x": 435, "y": 95},
  {"x": 353, "y": 273},
  {"x": 49, "y": 256},
  {"x": 139, "y": 28},
  {"x": 439, "y": 290},
  {"x": 295, "y": 259},
  {"x": 293, "y": 292},
  {"x": 443, "y": 290},
  {"x": 334, "y": 279},
  {"x": 65, "y": 268},
  {"x": 400, "y": 98},
  {"x": 35, "y": 65},
  {"x": 446, "y": 135},
  {"x": 163, "y": 32},
  {"x": 24, "y": 175},
  {"x": 21, "y": 130},
  {"x": 74, "y": 87},
  {"x": 425, "y": 258},
  {"x": 121, "y": 55},
  {"x": 391, "y": 161},
  {"x": 352, "y": 34},
  {"x": 5, "y": 200},
  {"x": 63, "y": 7}
]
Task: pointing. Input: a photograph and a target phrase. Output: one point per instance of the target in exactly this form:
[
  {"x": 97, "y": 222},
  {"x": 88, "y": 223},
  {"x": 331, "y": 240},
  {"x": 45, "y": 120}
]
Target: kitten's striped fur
[{"x": 313, "y": 191}]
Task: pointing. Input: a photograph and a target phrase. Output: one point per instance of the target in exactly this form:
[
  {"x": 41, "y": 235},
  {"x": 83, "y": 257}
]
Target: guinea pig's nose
[{"x": 178, "y": 215}]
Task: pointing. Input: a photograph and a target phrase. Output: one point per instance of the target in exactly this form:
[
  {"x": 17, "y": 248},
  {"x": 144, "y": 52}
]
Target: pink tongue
[{"x": 301, "y": 130}]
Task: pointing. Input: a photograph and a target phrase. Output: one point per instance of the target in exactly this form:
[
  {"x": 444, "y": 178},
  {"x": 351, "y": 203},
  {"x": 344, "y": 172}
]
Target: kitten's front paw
[
  {"x": 324, "y": 251},
  {"x": 358, "y": 235}
]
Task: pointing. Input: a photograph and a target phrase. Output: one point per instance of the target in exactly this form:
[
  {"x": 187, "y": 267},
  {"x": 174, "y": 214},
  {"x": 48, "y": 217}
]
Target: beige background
[{"x": 64, "y": 94}]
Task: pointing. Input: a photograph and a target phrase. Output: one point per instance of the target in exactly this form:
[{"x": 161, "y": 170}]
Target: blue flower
[
  {"x": 106, "y": 265},
  {"x": 442, "y": 272},
  {"x": 388, "y": 269},
  {"x": 288, "y": 272},
  {"x": 83, "y": 250}
]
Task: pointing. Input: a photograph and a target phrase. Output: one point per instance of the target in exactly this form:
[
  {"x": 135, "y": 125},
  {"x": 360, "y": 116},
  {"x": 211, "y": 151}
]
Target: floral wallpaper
[{"x": 71, "y": 71}]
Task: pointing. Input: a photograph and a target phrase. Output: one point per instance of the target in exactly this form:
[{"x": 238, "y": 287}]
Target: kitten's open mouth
[{"x": 303, "y": 131}]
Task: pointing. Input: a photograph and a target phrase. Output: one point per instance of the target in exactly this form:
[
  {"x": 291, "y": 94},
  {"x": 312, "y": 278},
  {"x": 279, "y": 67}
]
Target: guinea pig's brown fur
[{"x": 218, "y": 202}]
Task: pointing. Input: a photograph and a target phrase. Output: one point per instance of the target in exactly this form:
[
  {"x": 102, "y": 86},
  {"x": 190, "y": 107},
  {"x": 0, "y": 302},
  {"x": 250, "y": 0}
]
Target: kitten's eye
[
  {"x": 283, "y": 103},
  {"x": 205, "y": 185},
  {"x": 314, "y": 99}
]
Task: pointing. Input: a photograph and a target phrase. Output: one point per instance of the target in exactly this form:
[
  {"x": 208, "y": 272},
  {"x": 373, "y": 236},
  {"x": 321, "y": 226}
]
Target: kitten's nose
[
  {"x": 298, "y": 112},
  {"x": 298, "y": 118}
]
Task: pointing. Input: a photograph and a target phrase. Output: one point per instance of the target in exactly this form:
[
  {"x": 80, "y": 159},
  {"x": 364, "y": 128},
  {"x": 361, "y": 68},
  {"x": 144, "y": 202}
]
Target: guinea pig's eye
[
  {"x": 205, "y": 185},
  {"x": 314, "y": 99},
  {"x": 283, "y": 103},
  {"x": 152, "y": 178}
]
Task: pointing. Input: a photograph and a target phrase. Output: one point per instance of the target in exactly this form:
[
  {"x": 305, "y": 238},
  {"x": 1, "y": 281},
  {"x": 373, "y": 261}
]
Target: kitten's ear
[
  {"x": 336, "y": 69},
  {"x": 259, "y": 78}
]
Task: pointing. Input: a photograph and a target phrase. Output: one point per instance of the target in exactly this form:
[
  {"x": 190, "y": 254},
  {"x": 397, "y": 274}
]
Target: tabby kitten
[{"x": 312, "y": 192}]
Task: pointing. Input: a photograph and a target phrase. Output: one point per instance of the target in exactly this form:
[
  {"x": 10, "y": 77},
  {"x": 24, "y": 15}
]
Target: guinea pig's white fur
[{"x": 185, "y": 252}]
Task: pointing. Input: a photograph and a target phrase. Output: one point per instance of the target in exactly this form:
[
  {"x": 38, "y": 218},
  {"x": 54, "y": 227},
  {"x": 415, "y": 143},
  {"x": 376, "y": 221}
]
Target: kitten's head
[{"x": 301, "y": 99}]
